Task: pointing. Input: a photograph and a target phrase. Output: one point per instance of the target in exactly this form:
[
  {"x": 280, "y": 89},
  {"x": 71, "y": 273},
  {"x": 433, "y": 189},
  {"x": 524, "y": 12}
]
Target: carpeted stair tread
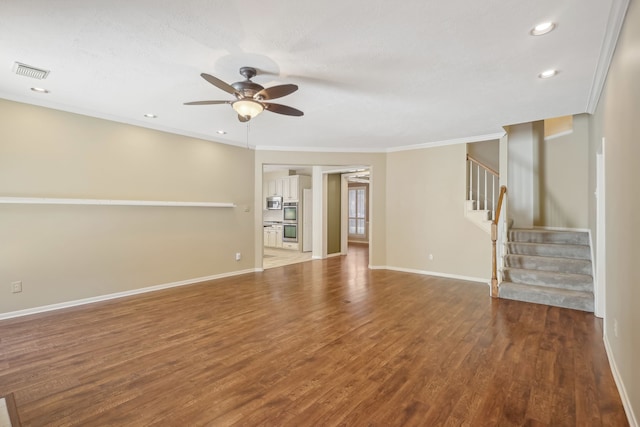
[
  {"x": 550, "y": 249},
  {"x": 543, "y": 263},
  {"x": 576, "y": 282},
  {"x": 577, "y": 300},
  {"x": 548, "y": 267},
  {"x": 548, "y": 236}
]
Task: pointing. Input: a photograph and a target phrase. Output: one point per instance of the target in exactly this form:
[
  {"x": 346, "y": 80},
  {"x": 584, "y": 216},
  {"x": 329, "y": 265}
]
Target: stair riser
[
  {"x": 565, "y": 237},
  {"x": 576, "y": 282},
  {"x": 560, "y": 265},
  {"x": 563, "y": 251},
  {"x": 576, "y": 303}
]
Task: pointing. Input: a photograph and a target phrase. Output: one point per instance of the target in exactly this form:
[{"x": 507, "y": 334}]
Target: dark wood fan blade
[
  {"x": 282, "y": 109},
  {"x": 243, "y": 118},
  {"x": 276, "y": 91},
  {"x": 219, "y": 83},
  {"x": 207, "y": 102}
]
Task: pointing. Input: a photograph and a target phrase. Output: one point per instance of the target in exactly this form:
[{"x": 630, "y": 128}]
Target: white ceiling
[{"x": 373, "y": 75}]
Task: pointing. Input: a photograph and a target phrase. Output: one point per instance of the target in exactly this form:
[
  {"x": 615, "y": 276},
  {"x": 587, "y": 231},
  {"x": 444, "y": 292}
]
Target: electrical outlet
[
  {"x": 238, "y": 256},
  {"x": 16, "y": 287}
]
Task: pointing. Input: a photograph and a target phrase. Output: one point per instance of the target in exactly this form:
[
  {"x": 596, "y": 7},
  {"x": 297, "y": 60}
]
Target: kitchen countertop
[{"x": 271, "y": 223}]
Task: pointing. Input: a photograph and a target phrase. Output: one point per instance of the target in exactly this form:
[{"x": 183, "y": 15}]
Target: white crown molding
[
  {"x": 319, "y": 149},
  {"x": 463, "y": 140},
  {"x": 614, "y": 26},
  {"x": 74, "y": 303}
]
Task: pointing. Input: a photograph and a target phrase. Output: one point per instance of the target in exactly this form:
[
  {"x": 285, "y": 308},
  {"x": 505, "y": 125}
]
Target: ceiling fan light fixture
[{"x": 247, "y": 107}]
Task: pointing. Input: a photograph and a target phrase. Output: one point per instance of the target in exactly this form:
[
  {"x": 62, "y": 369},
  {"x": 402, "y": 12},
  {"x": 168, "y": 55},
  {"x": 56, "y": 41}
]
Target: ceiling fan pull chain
[{"x": 248, "y": 126}]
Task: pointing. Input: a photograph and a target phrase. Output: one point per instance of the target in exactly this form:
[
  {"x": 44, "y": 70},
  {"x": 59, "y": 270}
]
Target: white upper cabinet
[{"x": 289, "y": 187}]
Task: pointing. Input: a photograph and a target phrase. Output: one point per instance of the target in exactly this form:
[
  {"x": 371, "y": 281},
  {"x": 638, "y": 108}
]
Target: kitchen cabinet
[
  {"x": 273, "y": 188},
  {"x": 288, "y": 187},
  {"x": 272, "y": 236}
]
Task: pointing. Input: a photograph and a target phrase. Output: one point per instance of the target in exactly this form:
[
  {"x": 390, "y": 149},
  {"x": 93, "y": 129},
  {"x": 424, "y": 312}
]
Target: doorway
[{"x": 359, "y": 175}]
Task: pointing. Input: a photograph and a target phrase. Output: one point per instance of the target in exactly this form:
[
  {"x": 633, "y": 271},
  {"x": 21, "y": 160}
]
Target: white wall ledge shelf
[{"x": 108, "y": 202}]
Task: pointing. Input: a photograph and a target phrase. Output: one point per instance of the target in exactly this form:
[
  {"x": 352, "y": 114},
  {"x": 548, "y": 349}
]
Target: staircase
[{"x": 548, "y": 267}]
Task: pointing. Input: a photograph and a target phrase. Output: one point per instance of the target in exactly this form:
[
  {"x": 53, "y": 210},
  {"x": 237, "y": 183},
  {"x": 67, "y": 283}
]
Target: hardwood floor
[{"x": 327, "y": 342}]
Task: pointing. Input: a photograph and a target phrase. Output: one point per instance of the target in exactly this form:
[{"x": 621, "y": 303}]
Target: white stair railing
[{"x": 482, "y": 186}]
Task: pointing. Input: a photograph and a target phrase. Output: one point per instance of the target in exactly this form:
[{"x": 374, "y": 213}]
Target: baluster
[
  {"x": 478, "y": 188},
  {"x": 485, "y": 189},
  {"x": 470, "y": 179}
]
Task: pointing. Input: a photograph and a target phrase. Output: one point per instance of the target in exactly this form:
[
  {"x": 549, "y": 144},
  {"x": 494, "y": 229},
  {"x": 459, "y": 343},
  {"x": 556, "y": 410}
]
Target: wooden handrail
[
  {"x": 478, "y": 162},
  {"x": 494, "y": 238}
]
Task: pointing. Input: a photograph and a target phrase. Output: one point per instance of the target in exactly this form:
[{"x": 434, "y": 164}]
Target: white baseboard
[
  {"x": 633, "y": 421},
  {"x": 74, "y": 303},
  {"x": 433, "y": 273}
]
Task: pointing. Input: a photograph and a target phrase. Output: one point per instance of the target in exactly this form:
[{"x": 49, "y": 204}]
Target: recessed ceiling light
[
  {"x": 221, "y": 132},
  {"x": 150, "y": 116},
  {"x": 547, "y": 74},
  {"x": 543, "y": 28},
  {"x": 39, "y": 90}
]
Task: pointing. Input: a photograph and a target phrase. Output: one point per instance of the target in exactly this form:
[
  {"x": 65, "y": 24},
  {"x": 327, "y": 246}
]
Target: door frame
[{"x": 601, "y": 253}]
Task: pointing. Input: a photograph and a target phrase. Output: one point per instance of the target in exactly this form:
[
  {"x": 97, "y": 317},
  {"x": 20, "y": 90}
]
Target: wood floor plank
[{"x": 324, "y": 342}]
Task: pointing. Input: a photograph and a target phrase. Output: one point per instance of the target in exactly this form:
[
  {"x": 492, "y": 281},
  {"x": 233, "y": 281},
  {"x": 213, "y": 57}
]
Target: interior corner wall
[
  {"x": 616, "y": 119},
  {"x": 563, "y": 178},
  {"x": 425, "y": 215},
  {"x": 63, "y": 253}
]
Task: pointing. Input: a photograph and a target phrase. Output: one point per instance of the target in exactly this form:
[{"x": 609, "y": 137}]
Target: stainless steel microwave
[{"x": 274, "y": 202}]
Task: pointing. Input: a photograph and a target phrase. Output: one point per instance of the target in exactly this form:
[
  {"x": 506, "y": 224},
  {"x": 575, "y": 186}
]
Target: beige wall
[
  {"x": 425, "y": 215},
  {"x": 65, "y": 253},
  {"x": 564, "y": 177},
  {"x": 617, "y": 120}
]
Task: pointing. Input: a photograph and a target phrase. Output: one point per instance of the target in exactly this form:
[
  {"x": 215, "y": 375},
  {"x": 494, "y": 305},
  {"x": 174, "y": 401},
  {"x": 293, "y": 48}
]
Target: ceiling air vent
[{"x": 29, "y": 71}]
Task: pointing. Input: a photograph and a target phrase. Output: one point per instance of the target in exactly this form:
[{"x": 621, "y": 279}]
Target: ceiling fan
[{"x": 250, "y": 96}]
